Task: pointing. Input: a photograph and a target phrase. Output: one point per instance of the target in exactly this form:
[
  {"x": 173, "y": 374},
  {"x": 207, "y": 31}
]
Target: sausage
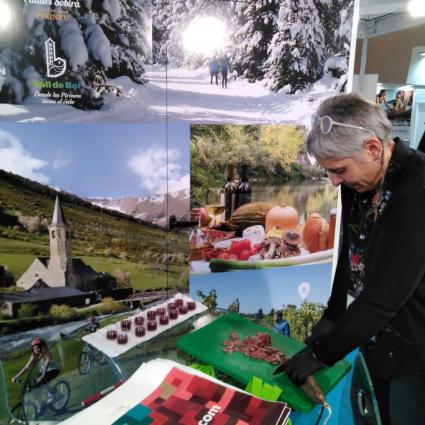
[{"x": 312, "y": 389}]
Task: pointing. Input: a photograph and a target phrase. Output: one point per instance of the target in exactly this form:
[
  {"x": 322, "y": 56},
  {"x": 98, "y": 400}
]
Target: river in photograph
[{"x": 306, "y": 197}]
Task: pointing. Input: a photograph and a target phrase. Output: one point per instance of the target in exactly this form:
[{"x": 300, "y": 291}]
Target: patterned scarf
[{"x": 365, "y": 211}]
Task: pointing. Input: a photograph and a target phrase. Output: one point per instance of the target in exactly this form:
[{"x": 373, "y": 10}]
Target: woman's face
[
  {"x": 361, "y": 173},
  {"x": 37, "y": 349}
]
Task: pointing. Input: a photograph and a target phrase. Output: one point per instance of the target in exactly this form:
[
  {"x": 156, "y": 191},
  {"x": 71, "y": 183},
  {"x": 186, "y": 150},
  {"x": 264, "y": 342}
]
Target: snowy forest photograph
[
  {"x": 211, "y": 61},
  {"x": 251, "y": 61},
  {"x": 56, "y": 62}
]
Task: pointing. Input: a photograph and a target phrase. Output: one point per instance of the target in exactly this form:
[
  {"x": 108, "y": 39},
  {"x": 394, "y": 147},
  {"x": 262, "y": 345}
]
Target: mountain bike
[
  {"x": 37, "y": 399},
  {"x": 89, "y": 355}
]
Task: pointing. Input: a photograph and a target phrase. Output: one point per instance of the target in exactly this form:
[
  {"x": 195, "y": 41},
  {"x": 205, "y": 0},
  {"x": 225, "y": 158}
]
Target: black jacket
[{"x": 394, "y": 277}]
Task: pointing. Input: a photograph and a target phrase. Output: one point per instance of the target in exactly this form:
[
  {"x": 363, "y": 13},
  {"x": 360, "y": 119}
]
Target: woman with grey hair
[{"x": 378, "y": 294}]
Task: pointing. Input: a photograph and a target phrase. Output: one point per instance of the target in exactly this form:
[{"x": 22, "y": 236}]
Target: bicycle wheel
[
  {"x": 61, "y": 394},
  {"x": 84, "y": 363},
  {"x": 30, "y": 410}
]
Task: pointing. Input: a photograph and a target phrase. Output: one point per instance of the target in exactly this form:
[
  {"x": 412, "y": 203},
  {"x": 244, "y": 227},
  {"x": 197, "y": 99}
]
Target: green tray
[{"x": 206, "y": 344}]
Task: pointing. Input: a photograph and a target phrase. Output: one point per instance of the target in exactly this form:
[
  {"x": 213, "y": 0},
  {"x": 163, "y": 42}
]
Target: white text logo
[
  {"x": 56, "y": 66},
  {"x": 209, "y": 416}
]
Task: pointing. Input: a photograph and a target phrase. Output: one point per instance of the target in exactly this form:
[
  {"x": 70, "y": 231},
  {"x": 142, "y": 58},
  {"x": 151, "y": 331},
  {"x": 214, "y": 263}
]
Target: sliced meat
[{"x": 257, "y": 347}]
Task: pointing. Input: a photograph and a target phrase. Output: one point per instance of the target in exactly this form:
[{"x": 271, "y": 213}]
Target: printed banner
[{"x": 187, "y": 399}]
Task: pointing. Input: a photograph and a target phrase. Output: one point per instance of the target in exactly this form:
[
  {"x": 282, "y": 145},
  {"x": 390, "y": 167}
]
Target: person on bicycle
[
  {"x": 40, "y": 356},
  {"x": 94, "y": 324}
]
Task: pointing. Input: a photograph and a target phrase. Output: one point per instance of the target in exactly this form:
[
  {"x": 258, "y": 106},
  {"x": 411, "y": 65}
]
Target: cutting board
[{"x": 206, "y": 344}]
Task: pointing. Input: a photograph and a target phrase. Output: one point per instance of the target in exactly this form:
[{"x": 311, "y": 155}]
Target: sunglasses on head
[{"x": 326, "y": 123}]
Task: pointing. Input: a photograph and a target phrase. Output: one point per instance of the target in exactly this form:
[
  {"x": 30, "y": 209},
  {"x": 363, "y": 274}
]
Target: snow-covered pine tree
[
  {"x": 99, "y": 40},
  {"x": 297, "y": 50},
  {"x": 329, "y": 14},
  {"x": 174, "y": 30},
  {"x": 343, "y": 42},
  {"x": 257, "y": 26},
  {"x": 344, "y": 30},
  {"x": 161, "y": 16},
  {"x": 127, "y": 26},
  {"x": 337, "y": 19}
]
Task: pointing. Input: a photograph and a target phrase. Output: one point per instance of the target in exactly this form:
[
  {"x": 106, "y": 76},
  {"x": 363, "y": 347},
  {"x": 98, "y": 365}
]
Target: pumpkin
[
  {"x": 282, "y": 216},
  {"x": 315, "y": 233}
]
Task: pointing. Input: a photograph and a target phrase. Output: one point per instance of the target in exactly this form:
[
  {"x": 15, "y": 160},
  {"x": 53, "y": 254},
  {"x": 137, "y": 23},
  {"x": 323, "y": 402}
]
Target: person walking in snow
[
  {"x": 214, "y": 70},
  {"x": 224, "y": 69}
]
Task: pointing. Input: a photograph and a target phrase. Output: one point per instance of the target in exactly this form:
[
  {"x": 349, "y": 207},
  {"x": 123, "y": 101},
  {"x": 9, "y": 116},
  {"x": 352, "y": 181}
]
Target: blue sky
[
  {"x": 267, "y": 288},
  {"x": 103, "y": 160}
]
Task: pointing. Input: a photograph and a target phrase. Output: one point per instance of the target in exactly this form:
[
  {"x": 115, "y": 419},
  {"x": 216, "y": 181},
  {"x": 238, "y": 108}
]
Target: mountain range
[{"x": 152, "y": 208}]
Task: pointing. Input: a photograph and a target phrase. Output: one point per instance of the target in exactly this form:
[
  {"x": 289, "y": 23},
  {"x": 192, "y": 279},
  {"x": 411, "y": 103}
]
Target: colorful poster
[{"x": 191, "y": 400}]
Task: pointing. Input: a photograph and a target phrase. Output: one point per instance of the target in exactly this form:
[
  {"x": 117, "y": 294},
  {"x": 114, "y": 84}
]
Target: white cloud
[
  {"x": 14, "y": 158},
  {"x": 182, "y": 183},
  {"x": 59, "y": 162},
  {"x": 151, "y": 167}
]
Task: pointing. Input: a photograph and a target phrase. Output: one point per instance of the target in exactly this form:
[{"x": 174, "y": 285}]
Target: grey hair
[{"x": 343, "y": 142}]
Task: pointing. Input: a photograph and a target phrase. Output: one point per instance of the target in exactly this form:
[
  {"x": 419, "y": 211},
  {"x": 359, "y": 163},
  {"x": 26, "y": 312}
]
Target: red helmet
[{"x": 36, "y": 341}]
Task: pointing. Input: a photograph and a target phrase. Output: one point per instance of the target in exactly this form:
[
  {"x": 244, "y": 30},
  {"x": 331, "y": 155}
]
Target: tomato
[
  {"x": 256, "y": 248},
  {"x": 238, "y": 246},
  {"x": 228, "y": 256},
  {"x": 245, "y": 254}
]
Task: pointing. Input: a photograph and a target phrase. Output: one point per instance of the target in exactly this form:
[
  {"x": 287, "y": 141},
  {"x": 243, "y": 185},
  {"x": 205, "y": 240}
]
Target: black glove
[
  {"x": 301, "y": 365},
  {"x": 319, "y": 330}
]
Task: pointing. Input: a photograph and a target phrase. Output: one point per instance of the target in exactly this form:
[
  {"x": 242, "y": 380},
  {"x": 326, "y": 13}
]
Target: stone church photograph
[
  {"x": 84, "y": 219},
  {"x": 59, "y": 278},
  {"x": 60, "y": 269}
]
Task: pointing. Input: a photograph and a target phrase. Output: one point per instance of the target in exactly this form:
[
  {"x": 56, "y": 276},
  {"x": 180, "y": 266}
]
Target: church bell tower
[{"x": 60, "y": 241}]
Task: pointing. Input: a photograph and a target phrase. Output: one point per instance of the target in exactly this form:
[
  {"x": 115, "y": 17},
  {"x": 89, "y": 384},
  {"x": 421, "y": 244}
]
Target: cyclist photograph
[
  {"x": 93, "y": 326},
  {"x": 48, "y": 369}
]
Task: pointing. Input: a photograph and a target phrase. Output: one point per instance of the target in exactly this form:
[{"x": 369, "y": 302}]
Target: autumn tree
[{"x": 302, "y": 319}]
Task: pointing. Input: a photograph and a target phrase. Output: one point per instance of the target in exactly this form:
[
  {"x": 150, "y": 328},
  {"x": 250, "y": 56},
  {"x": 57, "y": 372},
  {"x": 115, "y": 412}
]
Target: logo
[
  {"x": 56, "y": 66},
  {"x": 210, "y": 415},
  {"x": 3, "y": 71}
]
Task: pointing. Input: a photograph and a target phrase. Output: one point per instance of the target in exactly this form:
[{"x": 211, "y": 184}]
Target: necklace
[{"x": 378, "y": 196}]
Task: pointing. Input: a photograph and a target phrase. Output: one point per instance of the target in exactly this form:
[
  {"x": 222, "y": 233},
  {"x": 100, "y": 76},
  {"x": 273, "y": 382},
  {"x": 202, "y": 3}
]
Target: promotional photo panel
[
  {"x": 249, "y": 62},
  {"x": 299, "y": 293},
  {"x": 397, "y": 102},
  {"x": 258, "y": 200},
  {"x": 75, "y": 60},
  {"x": 84, "y": 219},
  {"x": 266, "y": 217}
]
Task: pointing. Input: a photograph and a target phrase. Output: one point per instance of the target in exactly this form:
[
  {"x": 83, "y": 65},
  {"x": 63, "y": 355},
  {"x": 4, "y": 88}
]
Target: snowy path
[{"x": 191, "y": 98}]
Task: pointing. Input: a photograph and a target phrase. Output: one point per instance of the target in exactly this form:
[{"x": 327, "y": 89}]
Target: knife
[{"x": 280, "y": 368}]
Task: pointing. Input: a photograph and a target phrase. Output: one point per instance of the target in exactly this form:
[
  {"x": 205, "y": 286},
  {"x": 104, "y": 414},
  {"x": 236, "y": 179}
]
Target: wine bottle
[
  {"x": 228, "y": 192},
  {"x": 243, "y": 192}
]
